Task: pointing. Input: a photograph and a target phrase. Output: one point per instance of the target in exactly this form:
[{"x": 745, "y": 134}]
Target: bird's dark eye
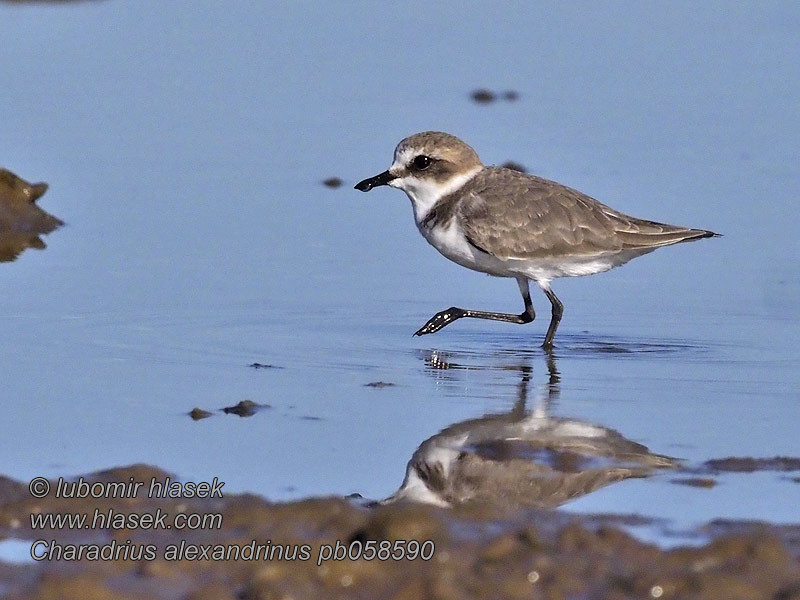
[{"x": 422, "y": 162}]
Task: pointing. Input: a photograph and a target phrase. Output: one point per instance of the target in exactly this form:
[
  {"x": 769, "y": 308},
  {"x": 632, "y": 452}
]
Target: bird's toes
[
  {"x": 439, "y": 320},
  {"x": 429, "y": 327}
]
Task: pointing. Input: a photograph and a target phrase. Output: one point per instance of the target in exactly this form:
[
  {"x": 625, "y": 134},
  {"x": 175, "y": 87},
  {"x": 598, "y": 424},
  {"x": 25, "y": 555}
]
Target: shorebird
[{"x": 511, "y": 224}]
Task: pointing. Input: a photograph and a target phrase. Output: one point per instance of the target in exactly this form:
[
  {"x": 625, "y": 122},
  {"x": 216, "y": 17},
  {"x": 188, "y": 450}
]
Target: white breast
[{"x": 451, "y": 242}]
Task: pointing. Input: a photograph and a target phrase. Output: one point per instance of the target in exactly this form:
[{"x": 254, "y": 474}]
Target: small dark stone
[
  {"x": 332, "y": 182},
  {"x": 199, "y": 413},
  {"x": 514, "y": 166},
  {"x": 379, "y": 384},
  {"x": 483, "y": 96},
  {"x": 511, "y": 95}
]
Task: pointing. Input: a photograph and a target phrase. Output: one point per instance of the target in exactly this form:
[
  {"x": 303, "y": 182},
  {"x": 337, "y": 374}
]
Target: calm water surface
[{"x": 185, "y": 149}]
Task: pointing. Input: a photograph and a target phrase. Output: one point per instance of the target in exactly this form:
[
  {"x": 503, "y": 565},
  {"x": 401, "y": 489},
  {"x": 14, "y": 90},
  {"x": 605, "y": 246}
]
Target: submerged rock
[
  {"x": 198, "y": 413},
  {"x": 379, "y": 384},
  {"x": 21, "y": 220},
  {"x": 245, "y": 408}
]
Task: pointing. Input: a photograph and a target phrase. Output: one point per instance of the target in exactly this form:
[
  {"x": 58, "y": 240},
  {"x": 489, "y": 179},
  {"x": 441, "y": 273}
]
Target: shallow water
[{"x": 186, "y": 149}]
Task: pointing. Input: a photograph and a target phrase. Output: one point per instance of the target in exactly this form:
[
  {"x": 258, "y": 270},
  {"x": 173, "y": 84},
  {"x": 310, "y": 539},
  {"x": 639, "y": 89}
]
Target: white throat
[{"x": 424, "y": 194}]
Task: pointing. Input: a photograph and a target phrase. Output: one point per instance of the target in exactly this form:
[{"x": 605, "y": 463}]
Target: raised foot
[{"x": 441, "y": 319}]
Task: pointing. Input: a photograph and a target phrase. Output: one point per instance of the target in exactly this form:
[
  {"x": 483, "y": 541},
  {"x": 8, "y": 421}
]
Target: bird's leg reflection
[
  {"x": 549, "y": 393},
  {"x": 444, "y": 365},
  {"x": 555, "y": 376}
]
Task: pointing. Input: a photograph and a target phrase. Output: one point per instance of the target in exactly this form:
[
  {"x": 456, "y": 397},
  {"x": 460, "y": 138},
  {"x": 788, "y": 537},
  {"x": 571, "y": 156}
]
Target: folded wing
[{"x": 513, "y": 215}]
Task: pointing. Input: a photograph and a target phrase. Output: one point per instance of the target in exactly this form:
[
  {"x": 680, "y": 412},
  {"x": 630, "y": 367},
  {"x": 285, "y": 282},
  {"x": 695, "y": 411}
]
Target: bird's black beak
[{"x": 368, "y": 184}]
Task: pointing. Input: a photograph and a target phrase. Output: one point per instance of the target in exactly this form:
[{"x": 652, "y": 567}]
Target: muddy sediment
[{"x": 245, "y": 547}]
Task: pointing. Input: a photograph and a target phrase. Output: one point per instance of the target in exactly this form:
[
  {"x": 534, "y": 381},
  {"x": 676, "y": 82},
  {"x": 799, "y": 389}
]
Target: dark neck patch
[
  {"x": 432, "y": 474},
  {"x": 445, "y": 208}
]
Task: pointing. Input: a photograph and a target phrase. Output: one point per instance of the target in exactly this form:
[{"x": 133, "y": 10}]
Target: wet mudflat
[
  {"x": 216, "y": 256},
  {"x": 321, "y": 548}
]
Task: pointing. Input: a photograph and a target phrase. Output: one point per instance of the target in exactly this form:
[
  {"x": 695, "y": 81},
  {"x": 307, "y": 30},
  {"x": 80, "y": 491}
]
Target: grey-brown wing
[{"x": 514, "y": 215}]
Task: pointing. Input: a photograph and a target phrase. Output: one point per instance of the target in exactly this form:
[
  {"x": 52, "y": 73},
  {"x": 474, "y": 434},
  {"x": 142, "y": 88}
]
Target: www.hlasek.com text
[{"x": 115, "y": 520}]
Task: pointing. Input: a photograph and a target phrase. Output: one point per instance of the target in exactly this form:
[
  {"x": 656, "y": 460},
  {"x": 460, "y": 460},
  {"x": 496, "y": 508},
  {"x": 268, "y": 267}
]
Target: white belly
[{"x": 452, "y": 243}]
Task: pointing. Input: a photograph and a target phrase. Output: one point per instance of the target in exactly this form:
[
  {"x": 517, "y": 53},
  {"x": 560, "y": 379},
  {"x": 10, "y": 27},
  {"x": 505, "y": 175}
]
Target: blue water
[{"x": 185, "y": 148}]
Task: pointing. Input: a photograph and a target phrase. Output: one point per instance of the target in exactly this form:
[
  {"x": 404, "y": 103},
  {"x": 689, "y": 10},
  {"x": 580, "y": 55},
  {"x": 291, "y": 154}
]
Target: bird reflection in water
[{"x": 523, "y": 458}]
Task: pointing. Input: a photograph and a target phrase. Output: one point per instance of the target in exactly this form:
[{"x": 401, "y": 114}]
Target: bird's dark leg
[
  {"x": 558, "y": 311},
  {"x": 445, "y": 317}
]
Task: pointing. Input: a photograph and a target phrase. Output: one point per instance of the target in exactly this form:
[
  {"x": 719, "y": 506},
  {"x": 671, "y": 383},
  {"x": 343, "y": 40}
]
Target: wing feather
[{"x": 514, "y": 215}]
